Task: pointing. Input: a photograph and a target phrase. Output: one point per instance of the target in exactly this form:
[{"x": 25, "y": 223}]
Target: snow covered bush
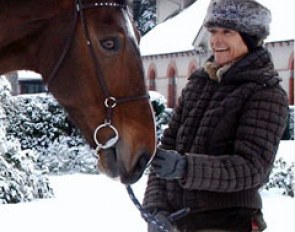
[
  {"x": 289, "y": 131},
  {"x": 41, "y": 124},
  {"x": 144, "y": 14},
  {"x": 291, "y": 122},
  {"x": 162, "y": 113},
  {"x": 67, "y": 154},
  {"x": 20, "y": 181},
  {"x": 282, "y": 178},
  {"x": 38, "y": 120}
]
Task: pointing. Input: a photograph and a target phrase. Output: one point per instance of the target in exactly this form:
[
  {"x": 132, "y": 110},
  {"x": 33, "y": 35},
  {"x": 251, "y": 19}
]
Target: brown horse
[{"x": 87, "y": 53}]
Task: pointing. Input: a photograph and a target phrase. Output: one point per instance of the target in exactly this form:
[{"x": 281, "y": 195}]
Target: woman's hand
[
  {"x": 161, "y": 216},
  {"x": 169, "y": 164}
]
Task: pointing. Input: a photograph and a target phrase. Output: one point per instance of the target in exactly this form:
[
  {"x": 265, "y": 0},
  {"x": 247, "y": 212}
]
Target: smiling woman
[
  {"x": 87, "y": 54},
  {"x": 219, "y": 148}
]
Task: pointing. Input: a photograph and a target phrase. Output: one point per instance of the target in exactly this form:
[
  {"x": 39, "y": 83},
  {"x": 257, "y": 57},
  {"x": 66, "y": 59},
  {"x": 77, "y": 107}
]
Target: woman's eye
[
  {"x": 111, "y": 44},
  {"x": 228, "y": 32},
  {"x": 212, "y": 31}
]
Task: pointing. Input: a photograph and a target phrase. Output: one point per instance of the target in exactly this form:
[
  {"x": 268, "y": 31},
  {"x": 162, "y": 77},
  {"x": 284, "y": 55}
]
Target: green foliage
[
  {"x": 282, "y": 177},
  {"x": 144, "y": 13},
  {"x": 42, "y": 125},
  {"x": 20, "y": 181},
  {"x": 289, "y": 130}
]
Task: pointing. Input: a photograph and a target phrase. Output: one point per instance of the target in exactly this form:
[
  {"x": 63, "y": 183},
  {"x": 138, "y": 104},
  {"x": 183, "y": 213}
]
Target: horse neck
[
  {"x": 22, "y": 39},
  {"x": 17, "y": 52}
]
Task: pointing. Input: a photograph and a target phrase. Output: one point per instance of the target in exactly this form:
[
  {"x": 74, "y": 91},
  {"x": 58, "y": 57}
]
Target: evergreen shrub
[{"x": 20, "y": 180}]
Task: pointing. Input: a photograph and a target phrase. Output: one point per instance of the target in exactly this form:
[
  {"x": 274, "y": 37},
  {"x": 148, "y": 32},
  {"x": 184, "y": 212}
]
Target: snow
[
  {"x": 178, "y": 33},
  {"x": 89, "y": 203},
  {"x": 156, "y": 96},
  {"x": 28, "y": 75},
  {"x": 175, "y": 34},
  {"x": 95, "y": 203}
]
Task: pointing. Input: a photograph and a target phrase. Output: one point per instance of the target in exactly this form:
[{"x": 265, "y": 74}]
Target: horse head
[{"x": 87, "y": 53}]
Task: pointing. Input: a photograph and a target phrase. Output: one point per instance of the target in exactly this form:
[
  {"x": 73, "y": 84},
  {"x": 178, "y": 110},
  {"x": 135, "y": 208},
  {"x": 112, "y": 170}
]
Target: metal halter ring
[
  {"x": 110, "y": 102},
  {"x": 111, "y": 142}
]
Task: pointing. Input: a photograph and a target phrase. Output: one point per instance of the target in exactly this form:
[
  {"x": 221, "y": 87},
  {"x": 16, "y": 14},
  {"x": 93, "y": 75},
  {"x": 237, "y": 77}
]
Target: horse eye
[{"x": 111, "y": 44}]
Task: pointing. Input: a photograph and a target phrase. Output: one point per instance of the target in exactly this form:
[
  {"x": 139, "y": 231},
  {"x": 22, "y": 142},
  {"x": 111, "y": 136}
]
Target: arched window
[
  {"x": 152, "y": 79},
  {"x": 171, "y": 101},
  {"x": 192, "y": 67}
]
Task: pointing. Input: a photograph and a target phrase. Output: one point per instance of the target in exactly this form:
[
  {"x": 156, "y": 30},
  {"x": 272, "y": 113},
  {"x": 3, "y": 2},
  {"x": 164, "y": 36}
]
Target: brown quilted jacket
[{"x": 229, "y": 130}]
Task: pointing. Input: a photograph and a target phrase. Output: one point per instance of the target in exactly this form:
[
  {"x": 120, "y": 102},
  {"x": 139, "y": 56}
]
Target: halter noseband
[{"x": 110, "y": 102}]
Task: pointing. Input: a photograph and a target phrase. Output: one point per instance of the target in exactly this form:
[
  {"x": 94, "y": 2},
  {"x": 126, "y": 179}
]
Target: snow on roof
[
  {"x": 178, "y": 33},
  {"x": 28, "y": 75}
]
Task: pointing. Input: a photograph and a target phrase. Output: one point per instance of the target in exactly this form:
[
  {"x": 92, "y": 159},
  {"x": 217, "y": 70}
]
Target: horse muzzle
[{"x": 113, "y": 164}]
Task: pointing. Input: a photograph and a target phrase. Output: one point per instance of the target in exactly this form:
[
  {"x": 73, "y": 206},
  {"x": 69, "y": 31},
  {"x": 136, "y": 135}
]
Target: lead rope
[{"x": 147, "y": 216}]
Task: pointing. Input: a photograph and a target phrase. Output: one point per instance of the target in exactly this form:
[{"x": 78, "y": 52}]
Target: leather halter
[{"x": 110, "y": 102}]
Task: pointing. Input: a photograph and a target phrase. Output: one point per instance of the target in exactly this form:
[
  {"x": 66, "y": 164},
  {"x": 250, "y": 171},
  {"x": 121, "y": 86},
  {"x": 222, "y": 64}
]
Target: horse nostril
[
  {"x": 134, "y": 175},
  {"x": 142, "y": 162}
]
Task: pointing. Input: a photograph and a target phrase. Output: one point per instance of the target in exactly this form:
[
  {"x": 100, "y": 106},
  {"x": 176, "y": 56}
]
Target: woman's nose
[{"x": 216, "y": 38}]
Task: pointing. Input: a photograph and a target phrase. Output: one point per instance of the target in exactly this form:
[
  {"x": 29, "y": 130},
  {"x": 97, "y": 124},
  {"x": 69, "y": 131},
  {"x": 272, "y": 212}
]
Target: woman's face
[{"x": 227, "y": 45}]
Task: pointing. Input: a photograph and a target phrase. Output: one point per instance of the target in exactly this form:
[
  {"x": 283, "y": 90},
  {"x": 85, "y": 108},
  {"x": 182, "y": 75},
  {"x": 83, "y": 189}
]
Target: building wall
[
  {"x": 283, "y": 58},
  {"x": 164, "y": 9},
  {"x": 23, "y": 82},
  {"x": 158, "y": 68},
  {"x": 167, "y": 7}
]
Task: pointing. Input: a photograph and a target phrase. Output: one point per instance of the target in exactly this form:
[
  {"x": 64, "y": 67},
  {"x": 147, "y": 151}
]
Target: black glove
[
  {"x": 169, "y": 164},
  {"x": 161, "y": 216}
]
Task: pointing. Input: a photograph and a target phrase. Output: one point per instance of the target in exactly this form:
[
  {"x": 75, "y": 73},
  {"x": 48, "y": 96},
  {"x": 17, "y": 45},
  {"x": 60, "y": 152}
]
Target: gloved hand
[
  {"x": 161, "y": 216},
  {"x": 166, "y": 218},
  {"x": 169, "y": 164}
]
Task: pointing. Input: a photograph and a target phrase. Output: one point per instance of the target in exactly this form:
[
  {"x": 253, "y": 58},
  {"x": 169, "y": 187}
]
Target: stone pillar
[{"x": 12, "y": 77}]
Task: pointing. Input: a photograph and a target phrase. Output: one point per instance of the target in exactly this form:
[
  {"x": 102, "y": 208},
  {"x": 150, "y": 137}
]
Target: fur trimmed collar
[{"x": 216, "y": 72}]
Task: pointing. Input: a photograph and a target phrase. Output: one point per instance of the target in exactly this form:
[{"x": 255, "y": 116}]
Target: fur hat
[{"x": 247, "y": 16}]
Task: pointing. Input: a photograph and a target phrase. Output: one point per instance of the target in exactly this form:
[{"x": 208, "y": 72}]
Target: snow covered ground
[{"x": 94, "y": 203}]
